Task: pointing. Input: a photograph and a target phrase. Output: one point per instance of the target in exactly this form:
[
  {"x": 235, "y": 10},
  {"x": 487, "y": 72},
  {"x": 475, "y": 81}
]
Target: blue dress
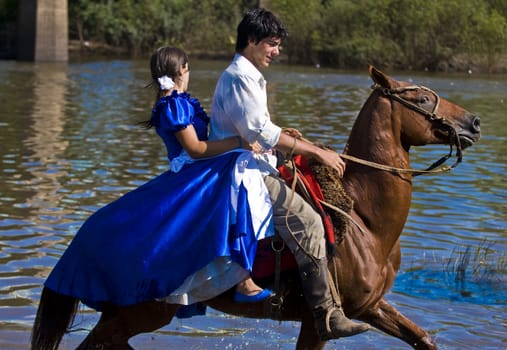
[{"x": 146, "y": 243}]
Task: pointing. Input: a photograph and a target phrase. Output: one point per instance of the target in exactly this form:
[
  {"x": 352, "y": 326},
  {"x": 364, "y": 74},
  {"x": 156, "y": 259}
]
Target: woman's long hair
[{"x": 167, "y": 61}]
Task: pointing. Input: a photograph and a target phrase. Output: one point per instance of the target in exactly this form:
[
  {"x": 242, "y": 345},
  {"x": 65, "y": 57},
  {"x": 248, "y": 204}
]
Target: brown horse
[{"x": 396, "y": 116}]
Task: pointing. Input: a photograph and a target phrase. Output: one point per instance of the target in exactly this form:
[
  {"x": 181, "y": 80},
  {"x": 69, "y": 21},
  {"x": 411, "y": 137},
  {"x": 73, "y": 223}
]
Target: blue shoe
[{"x": 242, "y": 298}]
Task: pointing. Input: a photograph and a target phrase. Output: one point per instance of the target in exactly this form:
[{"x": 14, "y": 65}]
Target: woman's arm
[{"x": 200, "y": 149}]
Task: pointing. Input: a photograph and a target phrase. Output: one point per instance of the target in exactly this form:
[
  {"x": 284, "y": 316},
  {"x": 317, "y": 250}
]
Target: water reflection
[
  {"x": 70, "y": 144},
  {"x": 45, "y": 145}
]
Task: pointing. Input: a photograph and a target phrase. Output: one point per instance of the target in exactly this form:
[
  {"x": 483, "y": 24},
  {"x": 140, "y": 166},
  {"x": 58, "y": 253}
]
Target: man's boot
[{"x": 330, "y": 320}]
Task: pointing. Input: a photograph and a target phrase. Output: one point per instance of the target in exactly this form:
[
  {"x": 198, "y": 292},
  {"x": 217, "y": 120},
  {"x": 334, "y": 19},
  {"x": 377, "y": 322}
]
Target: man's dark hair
[{"x": 258, "y": 24}]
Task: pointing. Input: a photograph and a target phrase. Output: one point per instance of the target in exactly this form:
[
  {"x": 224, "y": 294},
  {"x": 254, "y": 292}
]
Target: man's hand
[
  {"x": 292, "y": 132},
  {"x": 332, "y": 159},
  {"x": 288, "y": 144}
]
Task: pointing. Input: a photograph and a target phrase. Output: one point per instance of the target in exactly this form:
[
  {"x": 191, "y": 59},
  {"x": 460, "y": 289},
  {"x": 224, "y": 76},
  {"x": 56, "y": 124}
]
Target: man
[{"x": 240, "y": 108}]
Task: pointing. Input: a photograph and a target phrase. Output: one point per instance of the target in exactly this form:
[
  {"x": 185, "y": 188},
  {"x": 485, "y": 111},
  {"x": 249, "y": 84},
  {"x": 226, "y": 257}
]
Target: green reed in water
[{"x": 480, "y": 264}]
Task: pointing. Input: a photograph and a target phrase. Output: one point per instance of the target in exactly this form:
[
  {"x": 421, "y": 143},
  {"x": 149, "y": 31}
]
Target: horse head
[{"x": 425, "y": 117}]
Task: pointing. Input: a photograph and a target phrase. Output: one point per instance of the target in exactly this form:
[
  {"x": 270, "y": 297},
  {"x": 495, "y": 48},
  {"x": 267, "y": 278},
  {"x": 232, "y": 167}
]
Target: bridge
[{"x": 41, "y": 31}]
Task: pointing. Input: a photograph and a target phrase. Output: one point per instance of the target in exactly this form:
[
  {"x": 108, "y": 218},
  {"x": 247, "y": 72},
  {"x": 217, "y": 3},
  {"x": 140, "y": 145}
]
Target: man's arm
[{"x": 288, "y": 144}]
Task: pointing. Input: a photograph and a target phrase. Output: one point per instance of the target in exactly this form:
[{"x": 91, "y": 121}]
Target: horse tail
[{"x": 54, "y": 316}]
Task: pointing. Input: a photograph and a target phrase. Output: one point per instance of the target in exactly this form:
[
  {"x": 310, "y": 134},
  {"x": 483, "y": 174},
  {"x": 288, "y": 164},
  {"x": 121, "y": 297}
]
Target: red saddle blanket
[{"x": 265, "y": 259}]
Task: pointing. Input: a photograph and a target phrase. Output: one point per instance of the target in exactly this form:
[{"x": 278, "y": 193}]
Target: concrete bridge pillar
[{"x": 43, "y": 30}]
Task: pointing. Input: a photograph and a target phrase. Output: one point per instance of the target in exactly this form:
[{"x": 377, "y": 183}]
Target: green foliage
[
  {"x": 354, "y": 37},
  {"x": 490, "y": 35},
  {"x": 210, "y": 25},
  {"x": 137, "y": 25},
  {"x": 415, "y": 34},
  {"x": 301, "y": 19}
]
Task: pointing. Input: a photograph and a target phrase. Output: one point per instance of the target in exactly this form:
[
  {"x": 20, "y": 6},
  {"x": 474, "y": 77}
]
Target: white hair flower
[{"x": 165, "y": 82}]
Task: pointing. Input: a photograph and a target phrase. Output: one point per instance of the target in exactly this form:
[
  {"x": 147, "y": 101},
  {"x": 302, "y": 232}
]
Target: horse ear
[{"x": 380, "y": 78}]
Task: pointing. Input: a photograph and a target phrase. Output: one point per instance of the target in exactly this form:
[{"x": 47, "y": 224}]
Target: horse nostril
[{"x": 476, "y": 124}]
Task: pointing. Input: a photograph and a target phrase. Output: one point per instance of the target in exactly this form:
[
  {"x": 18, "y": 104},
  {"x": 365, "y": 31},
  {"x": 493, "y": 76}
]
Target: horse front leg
[
  {"x": 389, "y": 320},
  {"x": 118, "y": 324},
  {"x": 308, "y": 338}
]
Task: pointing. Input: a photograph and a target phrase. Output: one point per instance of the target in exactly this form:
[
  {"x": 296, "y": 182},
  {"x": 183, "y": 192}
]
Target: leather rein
[{"x": 432, "y": 116}]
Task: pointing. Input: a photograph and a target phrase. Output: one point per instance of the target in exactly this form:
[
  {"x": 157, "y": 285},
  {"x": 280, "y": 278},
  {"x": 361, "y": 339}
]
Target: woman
[{"x": 185, "y": 236}]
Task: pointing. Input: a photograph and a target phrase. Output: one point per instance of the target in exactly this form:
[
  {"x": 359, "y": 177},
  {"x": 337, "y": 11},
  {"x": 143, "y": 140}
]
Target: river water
[{"x": 69, "y": 144}]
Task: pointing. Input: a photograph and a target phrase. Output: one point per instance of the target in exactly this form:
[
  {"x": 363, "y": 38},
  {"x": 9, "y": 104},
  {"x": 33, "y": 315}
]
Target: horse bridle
[
  {"x": 394, "y": 94},
  {"x": 432, "y": 116}
]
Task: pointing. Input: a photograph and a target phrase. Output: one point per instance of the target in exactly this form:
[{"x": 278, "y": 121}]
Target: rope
[
  {"x": 333, "y": 281},
  {"x": 397, "y": 170},
  {"x": 344, "y": 213}
]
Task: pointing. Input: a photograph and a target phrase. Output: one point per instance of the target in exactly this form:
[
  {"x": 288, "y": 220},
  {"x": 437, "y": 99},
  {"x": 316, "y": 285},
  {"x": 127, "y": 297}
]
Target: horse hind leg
[
  {"x": 118, "y": 324},
  {"x": 386, "y": 318}
]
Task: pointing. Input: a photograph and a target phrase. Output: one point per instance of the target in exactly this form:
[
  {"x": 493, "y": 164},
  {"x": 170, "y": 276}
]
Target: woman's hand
[{"x": 254, "y": 147}]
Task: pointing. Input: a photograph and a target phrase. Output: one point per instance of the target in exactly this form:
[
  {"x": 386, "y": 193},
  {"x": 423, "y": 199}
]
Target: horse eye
[{"x": 424, "y": 99}]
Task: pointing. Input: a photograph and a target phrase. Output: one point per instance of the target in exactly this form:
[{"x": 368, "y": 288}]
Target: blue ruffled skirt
[{"x": 143, "y": 245}]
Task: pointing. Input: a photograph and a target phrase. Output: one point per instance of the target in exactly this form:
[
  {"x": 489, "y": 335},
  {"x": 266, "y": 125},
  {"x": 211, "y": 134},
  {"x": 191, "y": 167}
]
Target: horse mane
[{"x": 334, "y": 194}]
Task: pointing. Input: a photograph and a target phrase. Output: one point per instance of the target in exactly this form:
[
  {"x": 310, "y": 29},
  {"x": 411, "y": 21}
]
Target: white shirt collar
[{"x": 248, "y": 68}]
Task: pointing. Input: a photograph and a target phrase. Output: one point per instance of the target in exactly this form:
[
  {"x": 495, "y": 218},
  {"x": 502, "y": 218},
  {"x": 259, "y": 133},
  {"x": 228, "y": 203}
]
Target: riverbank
[{"x": 459, "y": 63}]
